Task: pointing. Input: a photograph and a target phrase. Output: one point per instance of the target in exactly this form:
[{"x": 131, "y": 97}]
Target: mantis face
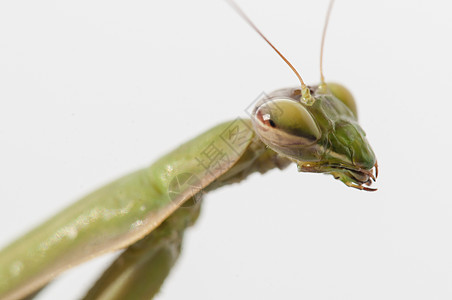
[{"x": 324, "y": 137}]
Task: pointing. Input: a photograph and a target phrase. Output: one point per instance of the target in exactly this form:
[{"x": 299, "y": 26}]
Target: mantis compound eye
[
  {"x": 342, "y": 93},
  {"x": 284, "y": 121}
]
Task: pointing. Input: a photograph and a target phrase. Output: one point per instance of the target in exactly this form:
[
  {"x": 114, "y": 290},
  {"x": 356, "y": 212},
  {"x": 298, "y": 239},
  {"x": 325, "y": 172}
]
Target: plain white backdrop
[{"x": 91, "y": 90}]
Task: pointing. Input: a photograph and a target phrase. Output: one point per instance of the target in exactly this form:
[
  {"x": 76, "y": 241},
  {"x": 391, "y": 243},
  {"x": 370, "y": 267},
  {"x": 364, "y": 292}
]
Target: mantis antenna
[
  {"x": 325, "y": 26},
  {"x": 305, "y": 93}
]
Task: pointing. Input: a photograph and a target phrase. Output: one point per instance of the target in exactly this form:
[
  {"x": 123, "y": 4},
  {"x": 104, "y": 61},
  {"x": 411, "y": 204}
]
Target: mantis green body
[
  {"x": 323, "y": 137},
  {"x": 315, "y": 127}
]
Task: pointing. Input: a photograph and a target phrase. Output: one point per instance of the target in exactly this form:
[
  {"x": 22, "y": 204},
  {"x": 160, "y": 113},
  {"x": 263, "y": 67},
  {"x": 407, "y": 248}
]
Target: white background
[{"x": 90, "y": 90}]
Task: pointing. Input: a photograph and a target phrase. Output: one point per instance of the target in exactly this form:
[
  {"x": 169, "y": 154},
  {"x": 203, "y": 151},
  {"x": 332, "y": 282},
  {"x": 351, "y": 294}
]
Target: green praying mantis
[{"x": 147, "y": 211}]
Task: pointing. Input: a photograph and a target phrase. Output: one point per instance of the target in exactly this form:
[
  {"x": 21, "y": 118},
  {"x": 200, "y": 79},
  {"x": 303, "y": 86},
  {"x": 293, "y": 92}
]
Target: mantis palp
[{"x": 313, "y": 126}]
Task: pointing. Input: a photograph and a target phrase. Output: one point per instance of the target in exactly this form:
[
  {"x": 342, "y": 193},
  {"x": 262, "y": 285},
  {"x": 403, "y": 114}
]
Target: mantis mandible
[{"x": 147, "y": 211}]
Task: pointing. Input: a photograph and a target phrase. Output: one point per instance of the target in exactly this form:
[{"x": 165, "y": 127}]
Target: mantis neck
[{"x": 257, "y": 158}]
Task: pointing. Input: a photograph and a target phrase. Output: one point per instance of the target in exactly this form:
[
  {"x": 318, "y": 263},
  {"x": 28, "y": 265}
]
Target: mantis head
[
  {"x": 316, "y": 127},
  {"x": 323, "y": 137}
]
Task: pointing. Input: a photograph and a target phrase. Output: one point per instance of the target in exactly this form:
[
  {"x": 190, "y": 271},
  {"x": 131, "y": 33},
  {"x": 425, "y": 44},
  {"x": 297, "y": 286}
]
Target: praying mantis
[{"x": 314, "y": 127}]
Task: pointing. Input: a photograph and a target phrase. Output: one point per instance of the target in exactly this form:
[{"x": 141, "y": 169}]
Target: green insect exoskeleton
[
  {"x": 316, "y": 127},
  {"x": 331, "y": 142}
]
